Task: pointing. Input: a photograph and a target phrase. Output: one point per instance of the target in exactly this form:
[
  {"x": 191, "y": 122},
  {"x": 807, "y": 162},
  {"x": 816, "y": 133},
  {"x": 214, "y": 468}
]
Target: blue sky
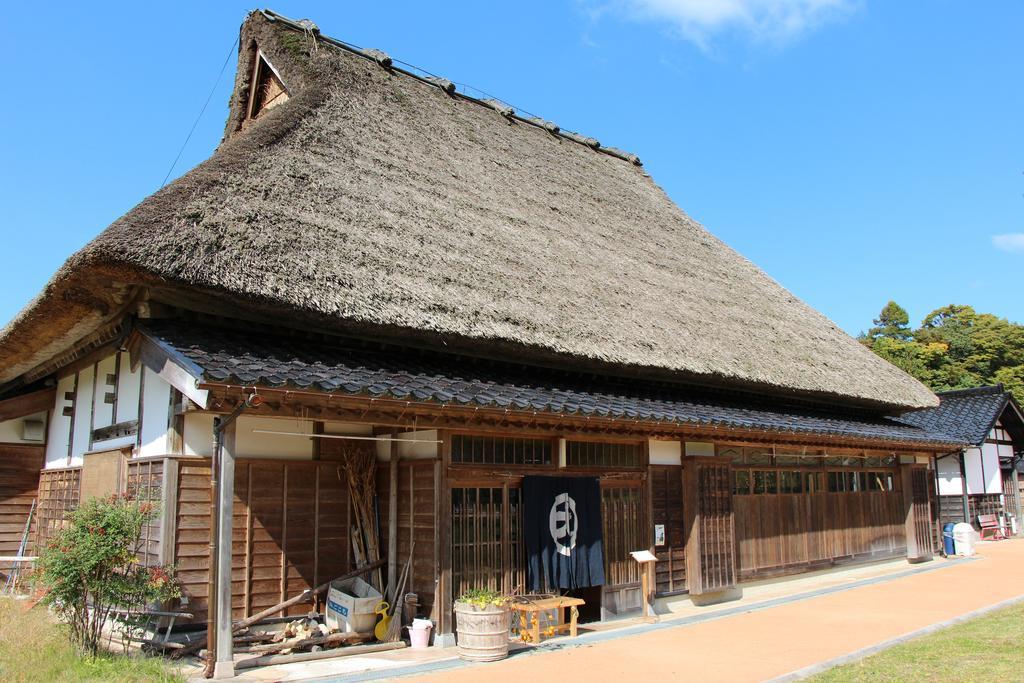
[{"x": 856, "y": 151}]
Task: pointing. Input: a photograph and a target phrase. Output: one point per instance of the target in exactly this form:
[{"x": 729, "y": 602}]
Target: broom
[{"x": 394, "y": 632}]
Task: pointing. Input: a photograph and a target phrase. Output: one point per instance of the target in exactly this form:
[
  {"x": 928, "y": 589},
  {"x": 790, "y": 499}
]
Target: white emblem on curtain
[{"x": 563, "y": 523}]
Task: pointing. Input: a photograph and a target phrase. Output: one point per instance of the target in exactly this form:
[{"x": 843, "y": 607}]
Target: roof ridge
[
  {"x": 506, "y": 109},
  {"x": 973, "y": 391}
]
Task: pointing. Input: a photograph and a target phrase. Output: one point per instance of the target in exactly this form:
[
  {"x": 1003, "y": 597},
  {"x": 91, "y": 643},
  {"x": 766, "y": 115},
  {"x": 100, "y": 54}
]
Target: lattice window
[
  {"x": 486, "y": 540},
  {"x": 144, "y": 483},
  {"x": 490, "y": 450},
  {"x": 622, "y": 515},
  {"x": 59, "y": 493},
  {"x": 603, "y": 454}
]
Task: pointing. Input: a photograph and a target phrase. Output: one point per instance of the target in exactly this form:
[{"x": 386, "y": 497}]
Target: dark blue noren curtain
[{"x": 562, "y": 530}]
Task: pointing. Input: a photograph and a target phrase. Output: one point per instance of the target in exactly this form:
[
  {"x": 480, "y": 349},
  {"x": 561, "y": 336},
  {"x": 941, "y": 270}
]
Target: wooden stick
[
  {"x": 305, "y": 595},
  {"x": 301, "y": 597},
  {"x": 311, "y": 656}
]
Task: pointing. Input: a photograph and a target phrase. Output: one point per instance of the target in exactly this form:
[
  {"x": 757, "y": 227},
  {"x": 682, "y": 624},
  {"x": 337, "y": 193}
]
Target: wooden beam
[
  {"x": 181, "y": 375},
  {"x": 27, "y": 404},
  {"x": 404, "y": 414}
]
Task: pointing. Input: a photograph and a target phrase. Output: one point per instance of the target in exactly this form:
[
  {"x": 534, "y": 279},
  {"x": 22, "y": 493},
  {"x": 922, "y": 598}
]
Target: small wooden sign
[{"x": 643, "y": 556}]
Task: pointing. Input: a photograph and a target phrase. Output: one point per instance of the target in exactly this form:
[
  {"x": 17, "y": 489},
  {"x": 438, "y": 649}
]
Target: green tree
[
  {"x": 955, "y": 347},
  {"x": 892, "y": 323},
  {"x": 91, "y": 567}
]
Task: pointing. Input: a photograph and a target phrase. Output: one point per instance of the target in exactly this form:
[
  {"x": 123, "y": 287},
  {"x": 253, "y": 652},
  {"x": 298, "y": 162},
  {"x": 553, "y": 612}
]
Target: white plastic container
[
  {"x": 964, "y": 538},
  {"x": 419, "y": 633},
  {"x": 351, "y": 606}
]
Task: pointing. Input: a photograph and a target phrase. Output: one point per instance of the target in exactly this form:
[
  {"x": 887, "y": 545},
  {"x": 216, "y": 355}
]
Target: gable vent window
[{"x": 267, "y": 89}]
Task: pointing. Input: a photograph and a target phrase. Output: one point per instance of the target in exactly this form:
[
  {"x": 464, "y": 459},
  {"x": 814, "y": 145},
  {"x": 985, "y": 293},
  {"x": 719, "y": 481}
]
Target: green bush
[
  {"x": 90, "y": 569},
  {"x": 481, "y": 598}
]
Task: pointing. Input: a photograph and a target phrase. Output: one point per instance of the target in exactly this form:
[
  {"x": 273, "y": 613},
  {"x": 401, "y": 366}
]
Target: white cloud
[
  {"x": 775, "y": 21},
  {"x": 1011, "y": 242}
]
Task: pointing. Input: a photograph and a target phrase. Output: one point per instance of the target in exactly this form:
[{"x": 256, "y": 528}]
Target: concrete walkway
[{"x": 776, "y": 639}]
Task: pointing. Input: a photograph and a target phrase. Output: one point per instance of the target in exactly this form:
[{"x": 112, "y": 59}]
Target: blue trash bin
[{"x": 947, "y": 540}]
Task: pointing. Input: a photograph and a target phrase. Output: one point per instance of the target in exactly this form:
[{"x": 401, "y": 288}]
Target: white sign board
[{"x": 643, "y": 556}]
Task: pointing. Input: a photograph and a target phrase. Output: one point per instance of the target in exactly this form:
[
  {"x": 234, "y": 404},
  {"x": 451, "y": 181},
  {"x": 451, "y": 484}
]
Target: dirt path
[{"x": 772, "y": 642}]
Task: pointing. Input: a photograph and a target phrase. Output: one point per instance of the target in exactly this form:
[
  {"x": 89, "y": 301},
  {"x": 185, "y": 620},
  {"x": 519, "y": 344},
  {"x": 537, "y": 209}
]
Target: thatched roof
[{"x": 379, "y": 204}]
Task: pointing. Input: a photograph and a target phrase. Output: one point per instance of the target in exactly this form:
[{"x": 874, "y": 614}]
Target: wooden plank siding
[
  {"x": 289, "y": 532},
  {"x": 19, "y": 484},
  {"x": 783, "y": 532},
  {"x": 416, "y": 507},
  {"x": 710, "y": 534},
  {"x": 667, "y": 508}
]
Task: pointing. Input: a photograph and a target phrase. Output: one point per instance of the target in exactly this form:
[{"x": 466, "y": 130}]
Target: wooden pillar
[
  {"x": 709, "y": 524},
  {"x": 443, "y": 597},
  {"x": 393, "y": 520},
  {"x": 1015, "y": 479},
  {"x": 225, "y": 666},
  {"x": 963, "y": 485},
  {"x": 917, "y": 517}
]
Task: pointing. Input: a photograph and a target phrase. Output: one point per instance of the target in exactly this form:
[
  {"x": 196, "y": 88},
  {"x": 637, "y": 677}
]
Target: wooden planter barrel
[{"x": 482, "y": 633}]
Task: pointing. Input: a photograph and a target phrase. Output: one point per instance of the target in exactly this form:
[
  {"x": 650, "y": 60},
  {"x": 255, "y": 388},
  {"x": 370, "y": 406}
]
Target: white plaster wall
[
  {"x": 1005, "y": 451},
  {"x": 128, "y": 384},
  {"x": 993, "y": 476},
  {"x": 950, "y": 483},
  {"x": 59, "y": 429},
  {"x": 198, "y": 434},
  {"x": 700, "y": 448},
  {"x": 252, "y": 445},
  {"x": 973, "y": 464},
  {"x": 81, "y": 430},
  {"x": 13, "y": 431},
  {"x": 353, "y": 428},
  {"x": 665, "y": 452},
  {"x": 422, "y": 450},
  {"x": 103, "y": 412},
  {"x": 156, "y": 403}
]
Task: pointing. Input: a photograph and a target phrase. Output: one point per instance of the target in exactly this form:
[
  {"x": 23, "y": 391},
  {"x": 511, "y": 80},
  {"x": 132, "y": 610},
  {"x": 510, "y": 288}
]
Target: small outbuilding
[{"x": 983, "y": 477}]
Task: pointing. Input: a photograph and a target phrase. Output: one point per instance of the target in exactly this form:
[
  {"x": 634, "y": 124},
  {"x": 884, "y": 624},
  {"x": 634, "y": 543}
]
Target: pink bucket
[{"x": 419, "y": 633}]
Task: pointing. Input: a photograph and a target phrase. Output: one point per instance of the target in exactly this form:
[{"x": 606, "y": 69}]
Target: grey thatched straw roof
[{"x": 379, "y": 204}]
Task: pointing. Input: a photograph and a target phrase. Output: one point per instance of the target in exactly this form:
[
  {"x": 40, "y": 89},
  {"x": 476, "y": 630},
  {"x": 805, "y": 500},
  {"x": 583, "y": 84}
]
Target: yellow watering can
[{"x": 381, "y": 629}]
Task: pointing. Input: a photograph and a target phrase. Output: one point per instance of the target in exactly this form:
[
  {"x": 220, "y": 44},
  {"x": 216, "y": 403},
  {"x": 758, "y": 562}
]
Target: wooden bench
[
  {"x": 530, "y": 610},
  {"x": 990, "y": 528}
]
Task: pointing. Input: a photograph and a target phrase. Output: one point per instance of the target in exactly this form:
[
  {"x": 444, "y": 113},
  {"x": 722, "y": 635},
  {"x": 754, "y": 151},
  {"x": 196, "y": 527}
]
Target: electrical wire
[{"x": 201, "y": 112}]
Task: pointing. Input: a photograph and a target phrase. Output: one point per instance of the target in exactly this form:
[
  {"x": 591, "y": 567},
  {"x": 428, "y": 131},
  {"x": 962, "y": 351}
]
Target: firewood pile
[{"x": 306, "y": 634}]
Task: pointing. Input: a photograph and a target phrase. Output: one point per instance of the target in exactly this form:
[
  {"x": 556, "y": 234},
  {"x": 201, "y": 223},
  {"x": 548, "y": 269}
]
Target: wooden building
[
  {"x": 471, "y": 296},
  {"x": 982, "y": 478}
]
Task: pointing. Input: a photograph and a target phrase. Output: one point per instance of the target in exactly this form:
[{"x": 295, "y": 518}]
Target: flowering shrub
[{"x": 91, "y": 569}]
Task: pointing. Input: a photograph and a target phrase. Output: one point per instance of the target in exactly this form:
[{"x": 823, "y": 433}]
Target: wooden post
[
  {"x": 963, "y": 485},
  {"x": 1016, "y": 496},
  {"x": 643, "y": 588},
  {"x": 393, "y": 520},
  {"x": 443, "y": 596},
  {"x": 907, "y": 484},
  {"x": 225, "y": 666}
]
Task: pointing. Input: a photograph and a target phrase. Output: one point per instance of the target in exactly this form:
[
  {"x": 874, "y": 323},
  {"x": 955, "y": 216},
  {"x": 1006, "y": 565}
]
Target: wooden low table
[{"x": 529, "y": 615}]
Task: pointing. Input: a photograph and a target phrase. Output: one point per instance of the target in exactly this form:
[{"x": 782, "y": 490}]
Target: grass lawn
[
  {"x": 988, "y": 648},
  {"x": 34, "y": 648}
]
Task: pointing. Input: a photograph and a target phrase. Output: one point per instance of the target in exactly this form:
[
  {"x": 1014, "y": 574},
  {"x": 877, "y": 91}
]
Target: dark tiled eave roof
[
  {"x": 216, "y": 356},
  {"x": 964, "y": 414}
]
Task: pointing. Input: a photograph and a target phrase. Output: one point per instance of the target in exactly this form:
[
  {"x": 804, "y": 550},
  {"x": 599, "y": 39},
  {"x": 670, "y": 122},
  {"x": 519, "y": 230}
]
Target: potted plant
[{"x": 483, "y": 619}]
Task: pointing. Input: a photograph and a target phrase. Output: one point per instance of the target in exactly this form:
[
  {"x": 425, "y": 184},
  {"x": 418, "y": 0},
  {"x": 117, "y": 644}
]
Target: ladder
[{"x": 12, "y": 576}]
